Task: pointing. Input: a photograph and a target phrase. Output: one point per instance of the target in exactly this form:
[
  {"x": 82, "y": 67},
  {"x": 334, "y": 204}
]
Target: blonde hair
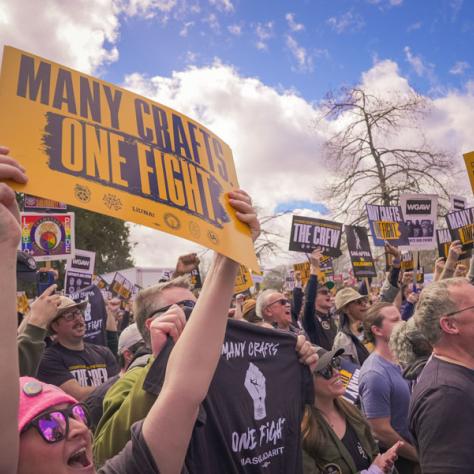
[{"x": 408, "y": 343}]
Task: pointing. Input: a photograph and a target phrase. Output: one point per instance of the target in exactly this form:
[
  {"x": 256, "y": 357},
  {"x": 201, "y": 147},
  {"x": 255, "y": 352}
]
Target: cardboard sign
[
  {"x": 350, "y": 378},
  {"x": 75, "y": 281},
  {"x": 121, "y": 287},
  {"x": 460, "y": 225},
  {"x": 457, "y": 203},
  {"x": 386, "y": 224},
  {"x": 22, "y": 304},
  {"x": 83, "y": 261},
  {"x": 359, "y": 251},
  {"x": 304, "y": 269},
  {"x": 95, "y": 145},
  {"x": 408, "y": 263},
  {"x": 98, "y": 281},
  {"x": 308, "y": 233},
  {"x": 420, "y": 213},
  {"x": 196, "y": 281},
  {"x": 47, "y": 236},
  {"x": 326, "y": 270},
  {"x": 443, "y": 237},
  {"x": 469, "y": 162},
  {"x": 37, "y": 204},
  {"x": 243, "y": 281}
]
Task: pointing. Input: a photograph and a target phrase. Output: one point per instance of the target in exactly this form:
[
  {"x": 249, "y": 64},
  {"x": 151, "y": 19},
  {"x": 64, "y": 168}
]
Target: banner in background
[
  {"x": 121, "y": 287},
  {"x": 444, "y": 241},
  {"x": 460, "y": 225},
  {"x": 47, "y": 236},
  {"x": 457, "y": 203},
  {"x": 308, "y": 233},
  {"x": 196, "y": 281},
  {"x": 37, "y": 204},
  {"x": 359, "y": 251},
  {"x": 386, "y": 224},
  {"x": 420, "y": 213},
  {"x": 243, "y": 280},
  {"x": 95, "y": 145}
]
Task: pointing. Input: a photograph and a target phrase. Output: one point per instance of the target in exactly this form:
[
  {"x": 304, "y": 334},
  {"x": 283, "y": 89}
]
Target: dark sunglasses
[
  {"x": 53, "y": 425},
  {"x": 184, "y": 304},
  {"x": 328, "y": 371},
  {"x": 70, "y": 315},
  {"x": 282, "y": 301}
]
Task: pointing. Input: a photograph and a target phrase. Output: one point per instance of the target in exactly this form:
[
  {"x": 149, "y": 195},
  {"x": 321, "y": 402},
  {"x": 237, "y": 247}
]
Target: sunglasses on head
[
  {"x": 70, "y": 315},
  {"x": 327, "y": 372},
  {"x": 53, "y": 425},
  {"x": 184, "y": 304}
]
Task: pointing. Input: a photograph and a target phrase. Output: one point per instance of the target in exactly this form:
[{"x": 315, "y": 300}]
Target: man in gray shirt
[{"x": 384, "y": 393}]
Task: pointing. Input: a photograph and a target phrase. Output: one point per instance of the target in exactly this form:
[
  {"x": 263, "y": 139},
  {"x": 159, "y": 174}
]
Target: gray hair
[
  {"x": 408, "y": 343},
  {"x": 262, "y": 301},
  {"x": 435, "y": 301},
  {"x": 149, "y": 300}
]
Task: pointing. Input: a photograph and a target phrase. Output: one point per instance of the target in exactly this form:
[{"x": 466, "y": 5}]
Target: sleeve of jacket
[
  {"x": 297, "y": 303},
  {"x": 470, "y": 275},
  {"x": 309, "y": 324},
  {"x": 30, "y": 349},
  {"x": 390, "y": 287},
  {"x": 309, "y": 465}
]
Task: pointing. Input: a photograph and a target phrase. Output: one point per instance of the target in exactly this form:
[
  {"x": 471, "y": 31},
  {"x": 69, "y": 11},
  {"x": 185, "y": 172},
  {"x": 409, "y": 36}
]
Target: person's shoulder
[
  {"x": 373, "y": 366},
  {"x": 97, "y": 348}
]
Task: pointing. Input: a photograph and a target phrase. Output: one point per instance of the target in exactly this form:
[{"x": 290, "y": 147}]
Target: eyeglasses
[
  {"x": 184, "y": 303},
  {"x": 53, "y": 425},
  {"x": 69, "y": 316},
  {"x": 282, "y": 301},
  {"x": 328, "y": 371},
  {"x": 459, "y": 311},
  {"x": 361, "y": 301}
]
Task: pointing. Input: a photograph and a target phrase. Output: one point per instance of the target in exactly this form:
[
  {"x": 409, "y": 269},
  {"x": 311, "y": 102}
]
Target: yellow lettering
[
  {"x": 191, "y": 185},
  {"x": 97, "y": 157},
  {"x": 175, "y": 187},
  {"x": 72, "y": 150},
  {"x": 145, "y": 169},
  {"x": 160, "y": 174},
  {"x": 116, "y": 159},
  {"x": 207, "y": 193}
]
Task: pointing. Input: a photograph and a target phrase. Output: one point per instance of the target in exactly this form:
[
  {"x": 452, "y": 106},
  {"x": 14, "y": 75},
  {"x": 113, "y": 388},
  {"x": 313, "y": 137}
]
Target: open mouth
[{"x": 79, "y": 459}]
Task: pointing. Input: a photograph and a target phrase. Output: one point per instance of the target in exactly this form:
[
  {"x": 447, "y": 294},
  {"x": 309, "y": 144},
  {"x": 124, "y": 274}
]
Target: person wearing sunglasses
[
  {"x": 352, "y": 308},
  {"x": 275, "y": 308},
  {"x": 317, "y": 318},
  {"x": 336, "y": 437}
]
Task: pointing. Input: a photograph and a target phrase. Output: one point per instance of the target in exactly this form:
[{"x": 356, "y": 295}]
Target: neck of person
[
  {"x": 320, "y": 310},
  {"x": 383, "y": 350},
  {"x": 325, "y": 405},
  {"x": 284, "y": 325},
  {"x": 354, "y": 325},
  {"x": 75, "y": 344},
  {"x": 454, "y": 354}
]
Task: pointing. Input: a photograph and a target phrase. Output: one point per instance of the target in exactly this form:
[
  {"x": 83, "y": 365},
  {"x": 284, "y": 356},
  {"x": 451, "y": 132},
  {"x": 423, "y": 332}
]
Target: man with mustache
[{"x": 70, "y": 363}]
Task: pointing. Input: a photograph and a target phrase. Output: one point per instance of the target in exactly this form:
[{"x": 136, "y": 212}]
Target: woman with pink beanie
[{"x": 46, "y": 430}]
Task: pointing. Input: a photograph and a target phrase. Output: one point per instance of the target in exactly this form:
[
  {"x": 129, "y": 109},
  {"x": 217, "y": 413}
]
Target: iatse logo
[{"x": 418, "y": 206}]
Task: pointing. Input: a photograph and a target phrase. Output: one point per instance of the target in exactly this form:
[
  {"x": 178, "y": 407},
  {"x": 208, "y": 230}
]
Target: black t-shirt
[
  {"x": 328, "y": 330},
  {"x": 442, "y": 418},
  {"x": 135, "y": 458},
  {"x": 91, "y": 367},
  {"x": 254, "y": 406},
  {"x": 95, "y": 314},
  {"x": 353, "y": 445}
]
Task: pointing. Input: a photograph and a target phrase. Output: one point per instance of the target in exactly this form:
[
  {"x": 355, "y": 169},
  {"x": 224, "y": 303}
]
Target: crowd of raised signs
[{"x": 320, "y": 377}]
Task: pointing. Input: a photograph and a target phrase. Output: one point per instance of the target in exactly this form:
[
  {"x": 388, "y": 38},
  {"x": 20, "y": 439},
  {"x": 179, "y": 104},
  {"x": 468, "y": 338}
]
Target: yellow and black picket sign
[
  {"x": 94, "y": 145},
  {"x": 469, "y": 161},
  {"x": 304, "y": 269},
  {"x": 387, "y": 230},
  {"x": 466, "y": 234},
  {"x": 243, "y": 280}
]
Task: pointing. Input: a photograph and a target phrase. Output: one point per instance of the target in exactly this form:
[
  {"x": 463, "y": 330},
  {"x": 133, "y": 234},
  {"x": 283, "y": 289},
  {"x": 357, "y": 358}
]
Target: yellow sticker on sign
[
  {"x": 95, "y": 145},
  {"x": 243, "y": 280},
  {"x": 387, "y": 230},
  {"x": 466, "y": 234},
  {"x": 469, "y": 161}
]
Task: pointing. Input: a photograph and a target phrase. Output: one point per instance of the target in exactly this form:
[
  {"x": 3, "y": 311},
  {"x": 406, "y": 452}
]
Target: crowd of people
[{"x": 173, "y": 378}]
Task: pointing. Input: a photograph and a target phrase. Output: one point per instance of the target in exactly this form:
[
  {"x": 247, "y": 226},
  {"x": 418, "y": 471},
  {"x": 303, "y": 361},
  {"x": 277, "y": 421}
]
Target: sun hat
[
  {"x": 36, "y": 397},
  {"x": 128, "y": 337},
  {"x": 345, "y": 296}
]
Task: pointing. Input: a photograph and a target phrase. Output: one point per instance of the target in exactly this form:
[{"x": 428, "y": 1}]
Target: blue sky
[
  {"x": 430, "y": 40},
  {"x": 255, "y": 71}
]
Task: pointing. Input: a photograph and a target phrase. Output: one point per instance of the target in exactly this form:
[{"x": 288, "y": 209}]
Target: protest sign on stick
[
  {"x": 47, "y": 236},
  {"x": 359, "y": 251},
  {"x": 95, "y": 145},
  {"x": 460, "y": 225},
  {"x": 386, "y": 224},
  {"x": 308, "y": 233},
  {"x": 444, "y": 241},
  {"x": 243, "y": 280},
  {"x": 37, "y": 204},
  {"x": 121, "y": 286}
]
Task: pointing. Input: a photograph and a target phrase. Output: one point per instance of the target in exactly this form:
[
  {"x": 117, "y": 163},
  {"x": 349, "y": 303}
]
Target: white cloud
[
  {"x": 235, "y": 29},
  {"x": 147, "y": 8},
  {"x": 421, "y": 68},
  {"x": 459, "y": 68},
  {"x": 190, "y": 57},
  {"x": 223, "y": 5},
  {"x": 213, "y": 22},
  {"x": 348, "y": 21},
  {"x": 185, "y": 29},
  {"x": 264, "y": 32},
  {"x": 303, "y": 59},
  {"x": 293, "y": 25},
  {"x": 414, "y": 26}
]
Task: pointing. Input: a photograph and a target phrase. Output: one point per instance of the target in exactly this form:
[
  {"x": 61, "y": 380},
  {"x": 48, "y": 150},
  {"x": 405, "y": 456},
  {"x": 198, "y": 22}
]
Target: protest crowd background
[{"x": 359, "y": 358}]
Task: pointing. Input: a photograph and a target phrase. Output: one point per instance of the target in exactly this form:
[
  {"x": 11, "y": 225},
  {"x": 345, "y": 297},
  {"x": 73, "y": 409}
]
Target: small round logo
[
  {"x": 172, "y": 221},
  {"x": 332, "y": 469},
  {"x": 325, "y": 325},
  {"x": 194, "y": 229},
  {"x": 112, "y": 201},
  {"x": 33, "y": 388},
  {"x": 212, "y": 237},
  {"x": 83, "y": 193}
]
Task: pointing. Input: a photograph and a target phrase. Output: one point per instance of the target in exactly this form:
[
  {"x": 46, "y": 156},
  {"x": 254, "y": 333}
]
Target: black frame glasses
[
  {"x": 459, "y": 311},
  {"x": 328, "y": 371},
  {"x": 53, "y": 424},
  {"x": 73, "y": 314},
  {"x": 184, "y": 303}
]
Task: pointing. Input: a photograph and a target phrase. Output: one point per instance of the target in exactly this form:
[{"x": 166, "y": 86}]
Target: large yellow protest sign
[
  {"x": 94, "y": 145},
  {"x": 469, "y": 161},
  {"x": 243, "y": 280}
]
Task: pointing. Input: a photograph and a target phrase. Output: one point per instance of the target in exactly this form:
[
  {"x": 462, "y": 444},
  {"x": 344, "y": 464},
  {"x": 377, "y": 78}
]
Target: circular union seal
[
  {"x": 212, "y": 237},
  {"x": 172, "y": 221},
  {"x": 332, "y": 468},
  {"x": 194, "y": 229},
  {"x": 325, "y": 325},
  {"x": 47, "y": 234},
  {"x": 83, "y": 193}
]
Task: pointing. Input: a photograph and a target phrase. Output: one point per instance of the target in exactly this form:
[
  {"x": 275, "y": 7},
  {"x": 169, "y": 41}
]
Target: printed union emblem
[
  {"x": 194, "y": 229},
  {"x": 112, "y": 201},
  {"x": 212, "y": 237},
  {"x": 172, "y": 221},
  {"x": 82, "y": 193}
]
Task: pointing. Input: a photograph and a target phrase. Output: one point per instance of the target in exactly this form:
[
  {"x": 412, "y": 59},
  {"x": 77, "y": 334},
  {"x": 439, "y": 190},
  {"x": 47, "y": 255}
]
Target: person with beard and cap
[
  {"x": 317, "y": 319},
  {"x": 352, "y": 307},
  {"x": 336, "y": 436},
  {"x": 384, "y": 393},
  {"x": 70, "y": 363}
]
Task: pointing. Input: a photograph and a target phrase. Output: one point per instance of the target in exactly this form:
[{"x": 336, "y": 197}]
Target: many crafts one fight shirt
[{"x": 91, "y": 367}]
